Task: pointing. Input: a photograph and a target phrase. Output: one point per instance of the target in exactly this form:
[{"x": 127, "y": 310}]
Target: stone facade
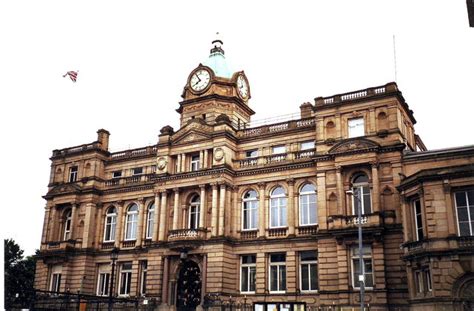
[{"x": 241, "y": 208}]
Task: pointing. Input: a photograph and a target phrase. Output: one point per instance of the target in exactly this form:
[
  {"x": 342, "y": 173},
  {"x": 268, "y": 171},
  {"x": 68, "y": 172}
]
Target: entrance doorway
[{"x": 188, "y": 294}]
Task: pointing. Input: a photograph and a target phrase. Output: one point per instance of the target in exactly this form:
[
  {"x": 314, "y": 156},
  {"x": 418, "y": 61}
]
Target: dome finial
[{"x": 217, "y": 48}]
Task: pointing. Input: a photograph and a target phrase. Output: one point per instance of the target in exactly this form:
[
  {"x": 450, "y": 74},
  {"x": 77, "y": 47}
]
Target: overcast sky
[{"x": 134, "y": 58}]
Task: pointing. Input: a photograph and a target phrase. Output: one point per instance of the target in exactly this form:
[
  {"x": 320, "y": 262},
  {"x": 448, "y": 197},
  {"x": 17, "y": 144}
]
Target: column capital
[
  {"x": 446, "y": 186},
  {"x": 176, "y": 190},
  {"x": 163, "y": 191},
  {"x": 261, "y": 185},
  {"x": 338, "y": 168},
  {"x": 290, "y": 181},
  {"x": 374, "y": 164},
  {"x": 202, "y": 187},
  {"x": 213, "y": 185}
]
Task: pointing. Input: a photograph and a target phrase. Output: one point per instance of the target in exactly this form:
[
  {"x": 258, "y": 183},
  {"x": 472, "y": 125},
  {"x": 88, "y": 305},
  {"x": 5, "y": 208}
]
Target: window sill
[
  {"x": 248, "y": 293},
  {"x": 277, "y": 292}
]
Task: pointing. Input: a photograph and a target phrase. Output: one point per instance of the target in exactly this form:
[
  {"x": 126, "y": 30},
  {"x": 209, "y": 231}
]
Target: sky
[{"x": 134, "y": 58}]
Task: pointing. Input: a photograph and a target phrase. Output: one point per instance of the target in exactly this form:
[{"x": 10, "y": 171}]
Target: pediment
[
  {"x": 193, "y": 131},
  {"x": 354, "y": 144},
  {"x": 64, "y": 188}
]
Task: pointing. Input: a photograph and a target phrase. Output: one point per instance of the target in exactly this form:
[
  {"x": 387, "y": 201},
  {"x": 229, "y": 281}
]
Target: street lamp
[
  {"x": 355, "y": 195},
  {"x": 113, "y": 256}
]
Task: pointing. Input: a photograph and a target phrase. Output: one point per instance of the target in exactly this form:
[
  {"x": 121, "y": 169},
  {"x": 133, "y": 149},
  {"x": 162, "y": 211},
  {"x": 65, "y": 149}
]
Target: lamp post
[
  {"x": 113, "y": 256},
  {"x": 355, "y": 195}
]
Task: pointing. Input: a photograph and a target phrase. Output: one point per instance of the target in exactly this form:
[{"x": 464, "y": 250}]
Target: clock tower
[{"x": 213, "y": 89}]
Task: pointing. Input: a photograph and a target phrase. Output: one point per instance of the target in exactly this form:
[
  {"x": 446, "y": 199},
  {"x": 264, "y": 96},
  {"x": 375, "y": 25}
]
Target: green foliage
[{"x": 19, "y": 275}]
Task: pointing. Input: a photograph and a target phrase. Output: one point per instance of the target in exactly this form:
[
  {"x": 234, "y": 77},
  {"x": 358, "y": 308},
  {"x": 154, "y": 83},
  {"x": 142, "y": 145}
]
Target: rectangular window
[
  {"x": 137, "y": 171},
  {"x": 125, "y": 279},
  {"x": 278, "y": 149},
  {"x": 251, "y": 153},
  {"x": 278, "y": 212},
  {"x": 361, "y": 199},
  {"x": 356, "y": 127},
  {"x": 427, "y": 279},
  {"x": 465, "y": 211},
  {"x": 103, "y": 284},
  {"x": 418, "y": 219},
  {"x": 250, "y": 214},
  {"x": 143, "y": 277},
  {"x": 367, "y": 267},
  {"x": 418, "y": 282},
  {"x": 248, "y": 272},
  {"x": 308, "y": 271},
  {"x": 73, "y": 174},
  {"x": 307, "y": 145},
  {"x": 277, "y": 275},
  {"x": 55, "y": 282},
  {"x": 195, "y": 165},
  {"x": 116, "y": 174},
  {"x": 423, "y": 280}
]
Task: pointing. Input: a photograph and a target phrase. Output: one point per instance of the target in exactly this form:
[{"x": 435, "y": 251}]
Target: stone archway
[
  {"x": 188, "y": 293},
  {"x": 463, "y": 291}
]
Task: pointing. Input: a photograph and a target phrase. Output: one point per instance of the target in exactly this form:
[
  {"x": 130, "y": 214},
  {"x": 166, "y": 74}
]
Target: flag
[{"x": 72, "y": 75}]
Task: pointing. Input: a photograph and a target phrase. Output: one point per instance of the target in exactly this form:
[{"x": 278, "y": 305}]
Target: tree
[{"x": 19, "y": 276}]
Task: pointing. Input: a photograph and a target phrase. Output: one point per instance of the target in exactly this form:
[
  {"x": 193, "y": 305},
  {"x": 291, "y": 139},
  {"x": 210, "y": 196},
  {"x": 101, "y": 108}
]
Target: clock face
[
  {"x": 242, "y": 87},
  {"x": 200, "y": 80}
]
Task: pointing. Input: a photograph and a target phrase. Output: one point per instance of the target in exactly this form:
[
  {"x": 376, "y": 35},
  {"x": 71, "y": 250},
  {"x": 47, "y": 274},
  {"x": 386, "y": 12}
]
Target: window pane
[
  {"x": 307, "y": 145},
  {"x": 252, "y": 278},
  {"x": 244, "y": 278},
  {"x": 277, "y": 258},
  {"x": 462, "y": 214},
  {"x": 274, "y": 214},
  {"x": 278, "y": 149},
  {"x": 461, "y": 199},
  {"x": 304, "y": 277},
  {"x": 309, "y": 255},
  {"x": 314, "y": 276},
  {"x": 470, "y": 197},
  {"x": 464, "y": 229},
  {"x": 273, "y": 278},
  {"x": 283, "y": 212},
  {"x": 282, "y": 278}
]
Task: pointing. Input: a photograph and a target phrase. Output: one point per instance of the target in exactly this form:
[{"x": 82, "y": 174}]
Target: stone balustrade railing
[
  {"x": 278, "y": 127},
  {"x": 274, "y": 158},
  {"x": 352, "y": 221},
  {"x": 76, "y": 149},
  {"x": 133, "y": 153},
  {"x": 186, "y": 234},
  {"x": 367, "y": 93}
]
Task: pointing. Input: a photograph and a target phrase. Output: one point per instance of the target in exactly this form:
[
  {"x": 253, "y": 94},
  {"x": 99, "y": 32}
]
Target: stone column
[
  {"x": 214, "y": 210},
  {"x": 323, "y": 211},
  {"x": 44, "y": 235},
  {"x": 228, "y": 212},
  {"x": 222, "y": 204},
  {"x": 201, "y": 159},
  {"x": 290, "y": 205},
  {"x": 206, "y": 153},
  {"x": 120, "y": 220},
  {"x": 340, "y": 192},
  {"x": 178, "y": 163},
  {"x": 266, "y": 216},
  {"x": 176, "y": 209},
  {"x": 375, "y": 187},
  {"x": 163, "y": 216},
  {"x": 141, "y": 212},
  {"x": 204, "y": 276},
  {"x": 73, "y": 219},
  {"x": 164, "y": 290},
  {"x": 183, "y": 163},
  {"x": 156, "y": 217},
  {"x": 261, "y": 210},
  {"x": 235, "y": 212},
  {"x": 89, "y": 224},
  {"x": 54, "y": 221},
  {"x": 202, "y": 207},
  {"x": 450, "y": 211}
]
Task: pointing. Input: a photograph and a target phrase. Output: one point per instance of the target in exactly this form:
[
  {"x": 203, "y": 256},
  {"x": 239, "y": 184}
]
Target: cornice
[{"x": 235, "y": 100}]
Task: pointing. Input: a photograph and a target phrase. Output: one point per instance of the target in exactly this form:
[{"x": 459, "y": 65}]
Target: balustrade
[
  {"x": 277, "y": 232},
  {"x": 248, "y": 235},
  {"x": 307, "y": 230},
  {"x": 128, "y": 244},
  {"x": 186, "y": 234}
]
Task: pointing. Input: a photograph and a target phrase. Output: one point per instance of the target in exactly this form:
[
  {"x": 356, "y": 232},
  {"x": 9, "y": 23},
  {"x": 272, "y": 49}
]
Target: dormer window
[
  {"x": 195, "y": 163},
  {"x": 137, "y": 171},
  {"x": 73, "y": 174}
]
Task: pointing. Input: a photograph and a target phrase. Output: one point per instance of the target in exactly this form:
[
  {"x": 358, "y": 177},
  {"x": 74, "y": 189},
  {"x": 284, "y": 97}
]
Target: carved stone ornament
[
  {"x": 352, "y": 145},
  {"x": 161, "y": 163},
  {"x": 218, "y": 154}
]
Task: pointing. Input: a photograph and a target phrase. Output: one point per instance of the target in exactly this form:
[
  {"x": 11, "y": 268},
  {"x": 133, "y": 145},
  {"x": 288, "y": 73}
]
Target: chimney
[
  {"x": 306, "y": 110},
  {"x": 103, "y": 139}
]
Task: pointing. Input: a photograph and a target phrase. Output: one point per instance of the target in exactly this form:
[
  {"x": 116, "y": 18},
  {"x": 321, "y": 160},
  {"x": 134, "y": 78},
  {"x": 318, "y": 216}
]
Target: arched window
[
  {"x": 250, "y": 211},
  {"x": 110, "y": 223},
  {"x": 67, "y": 224},
  {"x": 361, "y": 194},
  {"x": 150, "y": 221},
  {"x": 194, "y": 210},
  {"x": 308, "y": 205},
  {"x": 278, "y": 208},
  {"x": 131, "y": 222}
]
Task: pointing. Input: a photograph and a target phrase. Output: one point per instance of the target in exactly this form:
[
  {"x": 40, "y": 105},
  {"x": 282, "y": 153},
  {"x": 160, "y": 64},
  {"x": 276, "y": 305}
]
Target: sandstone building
[{"x": 225, "y": 208}]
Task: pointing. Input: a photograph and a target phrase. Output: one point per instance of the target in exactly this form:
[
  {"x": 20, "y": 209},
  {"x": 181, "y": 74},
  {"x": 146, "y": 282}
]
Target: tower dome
[{"x": 216, "y": 60}]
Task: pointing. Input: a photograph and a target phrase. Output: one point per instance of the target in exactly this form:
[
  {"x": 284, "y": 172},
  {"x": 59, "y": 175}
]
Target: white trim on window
[
  {"x": 67, "y": 225},
  {"x": 313, "y": 263},
  {"x": 367, "y": 258},
  {"x": 418, "y": 214},
  {"x": 110, "y": 224},
  {"x": 250, "y": 271},
  {"x": 194, "y": 211},
  {"x": 125, "y": 279},
  {"x": 131, "y": 222},
  {"x": 278, "y": 202},
  {"x": 250, "y": 207},
  {"x": 150, "y": 221},
  {"x": 280, "y": 267},
  {"x": 308, "y": 204}
]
